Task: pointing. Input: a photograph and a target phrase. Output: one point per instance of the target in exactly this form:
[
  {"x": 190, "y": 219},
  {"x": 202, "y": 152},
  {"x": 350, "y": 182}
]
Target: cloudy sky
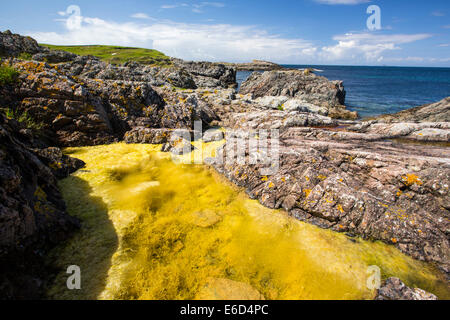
[{"x": 412, "y": 33}]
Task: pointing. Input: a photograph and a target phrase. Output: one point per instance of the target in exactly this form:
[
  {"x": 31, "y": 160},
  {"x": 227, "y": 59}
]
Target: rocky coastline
[{"x": 363, "y": 178}]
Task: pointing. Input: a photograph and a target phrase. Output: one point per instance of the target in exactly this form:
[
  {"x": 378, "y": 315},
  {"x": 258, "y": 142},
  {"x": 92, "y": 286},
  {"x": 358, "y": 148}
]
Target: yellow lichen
[{"x": 307, "y": 192}]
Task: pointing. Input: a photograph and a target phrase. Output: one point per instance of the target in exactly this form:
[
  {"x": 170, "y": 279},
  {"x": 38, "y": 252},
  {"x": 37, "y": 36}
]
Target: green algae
[{"x": 153, "y": 229}]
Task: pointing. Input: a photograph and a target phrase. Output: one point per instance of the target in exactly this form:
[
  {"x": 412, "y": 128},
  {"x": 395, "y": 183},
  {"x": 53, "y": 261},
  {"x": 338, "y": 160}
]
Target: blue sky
[{"x": 413, "y": 32}]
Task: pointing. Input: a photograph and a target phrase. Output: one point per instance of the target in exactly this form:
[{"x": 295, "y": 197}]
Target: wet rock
[
  {"x": 206, "y": 218},
  {"x": 395, "y": 289}
]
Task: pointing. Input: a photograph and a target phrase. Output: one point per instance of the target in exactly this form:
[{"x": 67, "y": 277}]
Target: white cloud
[
  {"x": 335, "y": 2},
  {"x": 213, "y": 4},
  {"x": 196, "y": 8},
  {"x": 140, "y": 15},
  {"x": 224, "y": 42},
  {"x": 217, "y": 42},
  {"x": 169, "y": 6},
  {"x": 366, "y": 46},
  {"x": 438, "y": 13},
  {"x": 444, "y": 45}
]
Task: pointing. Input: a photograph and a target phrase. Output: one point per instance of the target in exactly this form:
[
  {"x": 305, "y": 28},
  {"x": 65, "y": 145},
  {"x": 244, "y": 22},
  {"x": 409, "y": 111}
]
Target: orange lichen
[{"x": 411, "y": 179}]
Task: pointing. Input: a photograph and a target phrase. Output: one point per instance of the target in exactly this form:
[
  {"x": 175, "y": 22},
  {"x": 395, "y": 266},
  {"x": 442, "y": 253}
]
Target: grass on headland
[{"x": 118, "y": 55}]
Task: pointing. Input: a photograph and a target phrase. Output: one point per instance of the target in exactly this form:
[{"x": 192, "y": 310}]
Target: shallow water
[{"x": 153, "y": 229}]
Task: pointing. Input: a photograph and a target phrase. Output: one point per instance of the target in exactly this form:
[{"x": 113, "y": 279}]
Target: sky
[{"x": 324, "y": 32}]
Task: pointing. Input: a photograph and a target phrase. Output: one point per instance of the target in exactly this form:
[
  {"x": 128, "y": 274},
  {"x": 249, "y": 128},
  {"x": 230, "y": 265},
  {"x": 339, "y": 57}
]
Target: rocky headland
[
  {"x": 255, "y": 65},
  {"x": 383, "y": 179}
]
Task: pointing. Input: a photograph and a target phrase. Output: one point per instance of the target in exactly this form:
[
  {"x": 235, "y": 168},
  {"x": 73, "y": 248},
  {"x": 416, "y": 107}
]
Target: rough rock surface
[
  {"x": 14, "y": 44},
  {"x": 395, "y": 289},
  {"x": 307, "y": 87},
  {"x": 54, "y": 56},
  {"x": 32, "y": 211},
  {"x": 433, "y": 112},
  {"x": 208, "y": 74},
  {"x": 426, "y": 131}
]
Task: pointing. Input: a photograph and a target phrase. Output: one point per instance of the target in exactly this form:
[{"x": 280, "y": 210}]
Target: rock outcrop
[
  {"x": 395, "y": 289},
  {"x": 208, "y": 74},
  {"x": 32, "y": 211},
  {"x": 12, "y": 45},
  {"x": 305, "y": 87},
  {"x": 256, "y": 65}
]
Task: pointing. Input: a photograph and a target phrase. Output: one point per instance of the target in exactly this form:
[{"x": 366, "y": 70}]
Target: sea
[{"x": 372, "y": 91}]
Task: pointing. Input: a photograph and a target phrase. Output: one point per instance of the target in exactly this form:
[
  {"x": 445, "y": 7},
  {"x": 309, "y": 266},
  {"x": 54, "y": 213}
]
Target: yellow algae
[
  {"x": 153, "y": 229},
  {"x": 225, "y": 289}
]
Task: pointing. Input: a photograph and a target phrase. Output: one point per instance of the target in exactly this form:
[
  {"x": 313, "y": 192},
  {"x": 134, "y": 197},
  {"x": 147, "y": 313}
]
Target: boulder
[
  {"x": 12, "y": 45},
  {"x": 308, "y": 87}
]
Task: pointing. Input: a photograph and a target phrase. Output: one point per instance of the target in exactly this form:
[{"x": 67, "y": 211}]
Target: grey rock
[{"x": 395, "y": 289}]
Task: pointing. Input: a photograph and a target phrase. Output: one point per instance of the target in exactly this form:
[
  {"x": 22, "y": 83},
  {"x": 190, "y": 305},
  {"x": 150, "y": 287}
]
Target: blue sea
[{"x": 373, "y": 91}]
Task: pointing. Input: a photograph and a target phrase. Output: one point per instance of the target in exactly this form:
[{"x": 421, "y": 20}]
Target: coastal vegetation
[
  {"x": 23, "y": 117},
  {"x": 8, "y": 75}
]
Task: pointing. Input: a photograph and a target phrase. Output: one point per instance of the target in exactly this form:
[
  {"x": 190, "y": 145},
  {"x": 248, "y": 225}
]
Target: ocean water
[{"x": 373, "y": 91}]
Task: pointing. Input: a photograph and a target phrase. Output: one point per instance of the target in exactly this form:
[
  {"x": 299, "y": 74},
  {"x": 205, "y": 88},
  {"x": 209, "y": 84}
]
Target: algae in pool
[{"x": 152, "y": 229}]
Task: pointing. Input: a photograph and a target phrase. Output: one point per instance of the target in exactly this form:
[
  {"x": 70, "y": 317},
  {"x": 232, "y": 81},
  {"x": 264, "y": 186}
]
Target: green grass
[
  {"x": 23, "y": 118},
  {"x": 118, "y": 55},
  {"x": 8, "y": 75}
]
